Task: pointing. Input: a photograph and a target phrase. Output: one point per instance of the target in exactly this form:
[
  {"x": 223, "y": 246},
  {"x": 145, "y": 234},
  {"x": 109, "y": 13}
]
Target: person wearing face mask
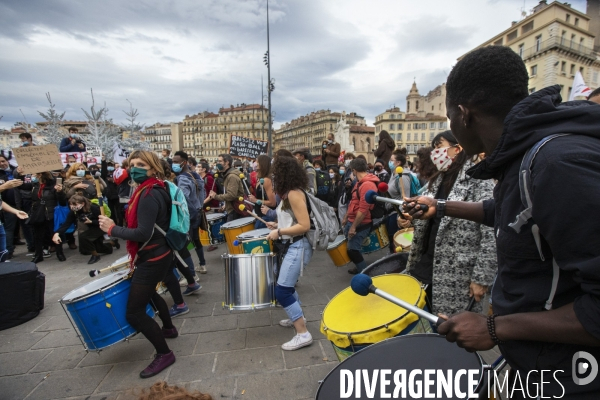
[
  {"x": 72, "y": 143},
  {"x": 45, "y": 196},
  {"x": 331, "y": 151},
  {"x": 335, "y": 186},
  {"x": 456, "y": 258},
  {"x": 85, "y": 215},
  {"x": 152, "y": 258},
  {"x": 380, "y": 171},
  {"x": 80, "y": 181},
  {"x": 111, "y": 192},
  {"x": 26, "y": 139},
  {"x": 395, "y": 186},
  {"x": 232, "y": 186}
]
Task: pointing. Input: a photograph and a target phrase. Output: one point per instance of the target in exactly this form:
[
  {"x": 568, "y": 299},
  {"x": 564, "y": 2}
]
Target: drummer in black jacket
[{"x": 546, "y": 298}]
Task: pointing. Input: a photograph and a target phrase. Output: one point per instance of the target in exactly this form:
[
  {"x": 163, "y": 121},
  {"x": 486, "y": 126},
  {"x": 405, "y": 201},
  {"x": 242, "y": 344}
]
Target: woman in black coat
[
  {"x": 385, "y": 148},
  {"x": 44, "y": 198}
]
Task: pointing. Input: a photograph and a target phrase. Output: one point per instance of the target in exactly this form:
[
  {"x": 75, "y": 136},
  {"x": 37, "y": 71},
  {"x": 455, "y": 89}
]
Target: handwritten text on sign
[
  {"x": 246, "y": 147},
  {"x": 35, "y": 159}
]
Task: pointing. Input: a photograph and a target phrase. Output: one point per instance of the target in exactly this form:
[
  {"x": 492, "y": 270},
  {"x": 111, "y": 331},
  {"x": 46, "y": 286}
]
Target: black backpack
[{"x": 324, "y": 186}]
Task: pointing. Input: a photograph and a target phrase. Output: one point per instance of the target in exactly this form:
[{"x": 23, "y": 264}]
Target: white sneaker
[
  {"x": 202, "y": 269},
  {"x": 46, "y": 253},
  {"x": 161, "y": 288},
  {"x": 286, "y": 323},
  {"x": 298, "y": 342},
  {"x": 182, "y": 281}
]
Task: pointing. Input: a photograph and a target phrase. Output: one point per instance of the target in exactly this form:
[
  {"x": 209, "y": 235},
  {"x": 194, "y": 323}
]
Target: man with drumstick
[
  {"x": 232, "y": 186},
  {"x": 546, "y": 297}
]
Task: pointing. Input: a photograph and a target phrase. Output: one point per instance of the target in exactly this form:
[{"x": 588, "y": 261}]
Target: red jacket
[
  {"x": 209, "y": 184},
  {"x": 358, "y": 202}
]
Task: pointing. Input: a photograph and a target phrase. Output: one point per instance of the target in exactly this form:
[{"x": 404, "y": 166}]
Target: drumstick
[
  {"x": 399, "y": 171},
  {"x": 237, "y": 242},
  {"x": 362, "y": 284},
  {"x": 112, "y": 268},
  {"x": 261, "y": 181},
  {"x": 258, "y": 202},
  {"x": 242, "y": 176},
  {"x": 243, "y": 207}
]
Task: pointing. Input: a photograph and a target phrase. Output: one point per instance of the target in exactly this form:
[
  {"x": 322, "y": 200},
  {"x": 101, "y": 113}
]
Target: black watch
[{"x": 441, "y": 208}]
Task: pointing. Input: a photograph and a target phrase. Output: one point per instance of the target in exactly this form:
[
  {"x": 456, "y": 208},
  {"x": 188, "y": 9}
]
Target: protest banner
[
  {"x": 246, "y": 147},
  {"x": 93, "y": 155},
  {"x": 68, "y": 158},
  {"x": 34, "y": 159}
]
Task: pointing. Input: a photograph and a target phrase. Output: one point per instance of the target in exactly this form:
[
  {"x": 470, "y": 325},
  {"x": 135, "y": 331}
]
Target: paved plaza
[{"x": 230, "y": 355}]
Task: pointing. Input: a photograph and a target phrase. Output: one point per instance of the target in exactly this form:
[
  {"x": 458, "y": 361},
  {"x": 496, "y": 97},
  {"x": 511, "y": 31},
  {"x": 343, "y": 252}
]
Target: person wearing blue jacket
[
  {"x": 545, "y": 215},
  {"x": 72, "y": 143}
]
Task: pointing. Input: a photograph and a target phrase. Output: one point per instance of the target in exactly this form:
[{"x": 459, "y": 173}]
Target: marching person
[
  {"x": 304, "y": 158},
  {"x": 264, "y": 191},
  {"x": 546, "y": 297},
  {"x": 232, "y": 186},
  {"x": 292, "y": 246},
  {"x": 331, "y": 152},
  {"x": 357, "y": 222},
  {"x": 150, "y": 254},
  {"x": 455, "y": 258},
  {"x": 396, "y": 184}
]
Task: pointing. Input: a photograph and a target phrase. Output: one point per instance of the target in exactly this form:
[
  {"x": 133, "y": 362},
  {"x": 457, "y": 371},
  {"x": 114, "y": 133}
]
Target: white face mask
[
  {"x": 331, "y": 175},
  {"x": 76, "y": 207},
  {"x": 441, "y": 159}
]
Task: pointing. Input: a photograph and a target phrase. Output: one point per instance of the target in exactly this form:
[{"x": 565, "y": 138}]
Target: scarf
[{"x": 132, "y": 211}]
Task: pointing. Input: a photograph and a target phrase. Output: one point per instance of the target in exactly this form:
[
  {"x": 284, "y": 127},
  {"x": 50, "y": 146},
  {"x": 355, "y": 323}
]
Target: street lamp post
[{"x": 271, "y": 85}]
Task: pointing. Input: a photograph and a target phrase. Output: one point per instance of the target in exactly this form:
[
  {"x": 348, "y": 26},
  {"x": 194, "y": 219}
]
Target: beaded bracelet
[{"x": 491, "y": 324}]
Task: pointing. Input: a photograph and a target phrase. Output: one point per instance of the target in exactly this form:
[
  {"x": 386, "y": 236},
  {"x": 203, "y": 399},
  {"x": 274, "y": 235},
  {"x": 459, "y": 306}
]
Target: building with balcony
[
  {"x": 555, "y": 42},
  {"x": 312, "y": 129},
  {"x": 424, "y": 118},
  {"x": 159, "y": 137}
]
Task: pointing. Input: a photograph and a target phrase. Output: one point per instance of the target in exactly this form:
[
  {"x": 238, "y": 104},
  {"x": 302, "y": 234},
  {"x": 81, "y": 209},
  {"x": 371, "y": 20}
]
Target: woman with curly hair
[
  {"x": 294, "y": 251},
  {"x": 264, "y": 191},
  {"x": 151, "y": 256}
]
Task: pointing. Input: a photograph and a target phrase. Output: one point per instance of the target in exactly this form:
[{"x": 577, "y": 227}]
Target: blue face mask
[
  {"x": 342, "y": 171},
  {"x": 110, "y": 168},
  {"x": 391, "y": 165},
  {"x": 34, "y": 179},
  {"x": 176, "y": 168},
  {"x": 317, "y": 169},
  {"x": 80, "y": 173}
]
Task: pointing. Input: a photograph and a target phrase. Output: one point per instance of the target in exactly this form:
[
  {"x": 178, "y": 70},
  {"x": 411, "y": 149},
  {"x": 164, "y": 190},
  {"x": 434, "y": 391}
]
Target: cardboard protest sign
[
  {"x": 94, "y": 155},
  {"x": 34, "y": 159},
  {"x": 246, "y": 147},
  {"x": 68, "y": 158}
]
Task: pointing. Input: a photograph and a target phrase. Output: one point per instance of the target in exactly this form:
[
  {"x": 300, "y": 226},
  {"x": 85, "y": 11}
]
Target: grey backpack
[{"x": 324, "y": 226}]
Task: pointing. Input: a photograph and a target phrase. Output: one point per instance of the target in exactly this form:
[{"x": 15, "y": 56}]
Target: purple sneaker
[
  {"x": 170, "y": 333},
  {"x": 161, "y": 361}
]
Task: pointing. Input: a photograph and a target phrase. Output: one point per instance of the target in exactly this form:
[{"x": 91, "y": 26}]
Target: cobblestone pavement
[{"x": 230, "y": 355}]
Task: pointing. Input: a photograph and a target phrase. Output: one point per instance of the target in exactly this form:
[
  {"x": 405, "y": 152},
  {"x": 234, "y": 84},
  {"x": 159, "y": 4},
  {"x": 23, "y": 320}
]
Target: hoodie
[
  {"x": 358, "y": 201},
  {"x": 565, "y": 194}
]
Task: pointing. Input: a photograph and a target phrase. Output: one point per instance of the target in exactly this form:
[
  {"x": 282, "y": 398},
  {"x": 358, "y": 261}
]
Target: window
[
  {"x": 527, "y": 27},
  {"x": 432, "y": 125},
  {"x": 563, "y": 67},
  {"x": 392, "y": 116},
  {"x": 399, "y": 136},
  {"x": 409, "y": 148},
  {"x": 538, "y": 43},
  {"x": 432, "y": 108},
  {"x": 521, "y": 48},
  {"x": 581, "y": 70},
  {"x": 576, "y": 21},
  {"x": 431, "y": 135},
  {"x": 392, "y": 127},
  {"x": 511, "y": 36},
  {"x": 569, "y": 93},
  {"x": 533, "y": 71},
  {"x": 400, "y": 127},
  {"x": 563, "y": 37},
  {"x": 572, "y": 69},
  {"x": 408, "y": 136},
  {"x": 572, "y": 40},
  {"x": 417, "y": 105},
  {"x": 581, "y": 43},
  {"x": 423, "y": 137},
  {"x": 568, "y": 18},
  {"x": 408, "y": 106},
  {"x": 595, "y": 77},
  {"x": 498, "y": 42},
  {"x": 442, "y": 125}
]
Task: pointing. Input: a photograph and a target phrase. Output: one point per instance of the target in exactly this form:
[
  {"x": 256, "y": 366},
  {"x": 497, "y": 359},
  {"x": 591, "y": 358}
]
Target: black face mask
[{"x": 378, "y": 168}]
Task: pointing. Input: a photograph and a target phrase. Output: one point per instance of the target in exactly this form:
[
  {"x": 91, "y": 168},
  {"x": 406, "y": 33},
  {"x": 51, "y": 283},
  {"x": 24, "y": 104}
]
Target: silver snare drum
[{"x": 249, "y": 281}]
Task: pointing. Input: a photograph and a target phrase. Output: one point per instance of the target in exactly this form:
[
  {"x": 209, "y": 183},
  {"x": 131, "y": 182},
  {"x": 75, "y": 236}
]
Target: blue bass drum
[{"x": 98, "y": 311}]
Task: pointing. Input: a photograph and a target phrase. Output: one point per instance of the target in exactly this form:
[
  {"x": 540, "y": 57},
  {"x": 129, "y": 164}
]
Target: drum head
[
  {"x": 338, "y": 240},
  {"x": 392, "y": 264},
  {"x": 409, "y": 353},
  {"x": 257, "y": 233},
  {"x": 94, "y": 286},
  {"x": 350, "y": 319},
  {"x": 238, "y": 223},
  {"x": 404, "y": 237},
  {"x": 215, "y": 216}
]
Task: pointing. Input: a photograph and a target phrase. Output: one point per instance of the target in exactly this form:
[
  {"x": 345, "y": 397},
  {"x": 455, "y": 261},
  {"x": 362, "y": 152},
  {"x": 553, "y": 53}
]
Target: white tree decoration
[
  {"x": 53, "y": 133},
  {"x": 103, "y": 133},
  {"x": 135, "y": 140}
]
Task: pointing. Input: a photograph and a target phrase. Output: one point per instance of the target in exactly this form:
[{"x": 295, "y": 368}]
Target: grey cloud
[{"x": 433, "y": 34}]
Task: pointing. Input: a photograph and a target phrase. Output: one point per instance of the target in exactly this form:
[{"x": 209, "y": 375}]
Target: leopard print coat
[{"x": 465, "y": 251}]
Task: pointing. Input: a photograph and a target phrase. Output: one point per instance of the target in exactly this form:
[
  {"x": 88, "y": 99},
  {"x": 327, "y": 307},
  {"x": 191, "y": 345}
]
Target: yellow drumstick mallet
[
  {"x": 243, "y": 207},
  {"x": 242, "y": 176},
  {"x": 399, "y": 249},
  {"x": 399, "y": 171}
]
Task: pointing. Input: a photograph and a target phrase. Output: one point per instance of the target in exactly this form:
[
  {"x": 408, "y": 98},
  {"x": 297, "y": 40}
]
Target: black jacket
[
  {"x": 8, "y": 196},
  {"x": 566, "y": 191}
]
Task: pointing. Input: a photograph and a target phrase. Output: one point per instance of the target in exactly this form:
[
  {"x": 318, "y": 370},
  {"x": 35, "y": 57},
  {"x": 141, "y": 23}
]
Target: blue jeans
[
  {"x": 296, "y": 258},
  {"x": 3, "y": 251}
]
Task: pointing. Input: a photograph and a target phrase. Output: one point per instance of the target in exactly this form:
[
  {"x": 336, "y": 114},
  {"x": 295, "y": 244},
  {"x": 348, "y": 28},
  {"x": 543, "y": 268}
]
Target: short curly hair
[
  {"x": 288, "y": 175},
  {"x": 493, "y": 79}
]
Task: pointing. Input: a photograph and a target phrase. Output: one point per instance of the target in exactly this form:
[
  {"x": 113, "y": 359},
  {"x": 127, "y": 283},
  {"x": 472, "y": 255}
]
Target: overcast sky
[{"x": 178, "y": 57}]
